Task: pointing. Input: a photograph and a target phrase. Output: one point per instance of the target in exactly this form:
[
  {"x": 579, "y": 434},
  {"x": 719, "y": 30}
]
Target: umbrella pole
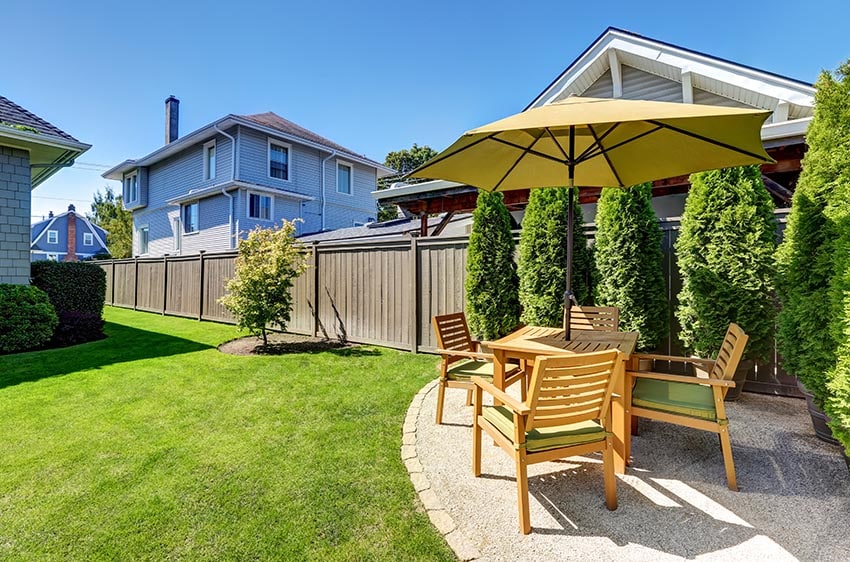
[{"x": 569, "y": 297}]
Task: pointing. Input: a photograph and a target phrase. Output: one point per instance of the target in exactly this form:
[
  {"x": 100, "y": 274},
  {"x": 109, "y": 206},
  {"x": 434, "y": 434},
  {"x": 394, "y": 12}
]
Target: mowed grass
[{"x": 153, "y": 445}]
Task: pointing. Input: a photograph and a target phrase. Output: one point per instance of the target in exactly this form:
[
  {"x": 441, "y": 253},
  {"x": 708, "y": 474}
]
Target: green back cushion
[
  {"x": 545, "y": 437},
  {"x": 694, "y": 400}
]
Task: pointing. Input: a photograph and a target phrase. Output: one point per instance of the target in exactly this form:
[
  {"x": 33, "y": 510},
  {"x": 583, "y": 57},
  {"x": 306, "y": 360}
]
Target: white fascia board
[
  {"x": 229, "y": 186},
  {"x": 793, "y": 128},
  {"x": 742, "y": 77},
  {"x": 415, "y": 189},
  {"x": 28, "y": 137}
]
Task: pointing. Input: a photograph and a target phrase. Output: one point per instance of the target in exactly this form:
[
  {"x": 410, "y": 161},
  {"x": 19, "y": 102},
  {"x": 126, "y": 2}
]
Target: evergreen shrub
[
  {"x": 27, "y": 319},
  {"x": 77, "y": 291}
]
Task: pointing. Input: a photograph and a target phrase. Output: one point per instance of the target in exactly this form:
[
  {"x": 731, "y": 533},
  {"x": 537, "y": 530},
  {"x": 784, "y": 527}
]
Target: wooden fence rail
[{"x": 375, "y": 292}]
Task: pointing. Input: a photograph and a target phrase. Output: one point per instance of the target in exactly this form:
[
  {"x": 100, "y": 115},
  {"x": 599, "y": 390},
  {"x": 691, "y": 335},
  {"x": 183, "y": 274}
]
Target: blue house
[
  {"x": 205, "y": 190},
  {"x": 66, "y": 237}
]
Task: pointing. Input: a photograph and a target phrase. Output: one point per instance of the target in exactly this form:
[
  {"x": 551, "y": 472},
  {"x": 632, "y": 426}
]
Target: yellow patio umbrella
[{"x": 592, "y": 142}]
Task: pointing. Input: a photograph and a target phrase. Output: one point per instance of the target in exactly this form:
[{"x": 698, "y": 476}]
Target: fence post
[
  {"x": 315, "y": 289},
  {"x": 201, "y": 287},
  {"x": 136, "y": 283},
  {"x": 112, "y": 295},
  {"x": 414, "y": 305},
  {"x": 164, "y": 282}
]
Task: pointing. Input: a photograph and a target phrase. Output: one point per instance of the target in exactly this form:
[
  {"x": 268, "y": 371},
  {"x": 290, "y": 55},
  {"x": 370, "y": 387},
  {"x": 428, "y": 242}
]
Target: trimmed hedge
[
  {"x": 77, "y": 291},
  {"x": 27, "y": 319}
]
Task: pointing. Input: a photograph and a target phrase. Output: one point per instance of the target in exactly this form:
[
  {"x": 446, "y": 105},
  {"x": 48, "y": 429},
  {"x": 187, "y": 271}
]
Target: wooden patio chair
[
  {"x": 567, "y": 412},
  {"x": 601, "y": 318},
  {"x": 692, "y": 401},
  {"x": 462, "y": 359}
]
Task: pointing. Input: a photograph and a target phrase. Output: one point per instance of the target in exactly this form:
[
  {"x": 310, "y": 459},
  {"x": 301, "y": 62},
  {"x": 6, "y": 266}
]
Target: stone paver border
[{"x": 463, "y": 548}]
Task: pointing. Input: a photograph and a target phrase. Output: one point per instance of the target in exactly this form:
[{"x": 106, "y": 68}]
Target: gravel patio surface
[{"x": 793, "y": 503}]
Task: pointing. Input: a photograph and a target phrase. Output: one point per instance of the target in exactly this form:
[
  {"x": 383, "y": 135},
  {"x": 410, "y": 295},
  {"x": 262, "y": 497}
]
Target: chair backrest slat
[
  {"x": 730, "y": 353},
  {"x": 600, "y": 318},
  {"x": 569, "y": 389},
  {"x": 453, "y": 333}
]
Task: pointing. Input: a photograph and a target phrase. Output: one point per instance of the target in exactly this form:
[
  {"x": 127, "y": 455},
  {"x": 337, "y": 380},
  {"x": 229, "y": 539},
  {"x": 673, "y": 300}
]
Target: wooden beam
[
  {"x": 778, "y": 190},
  {"x": 443, "y": 223},
  {"x": 423, "y": 224},
  {"x": 687, "y": 87},
  {"x": 616, "y": 73}
]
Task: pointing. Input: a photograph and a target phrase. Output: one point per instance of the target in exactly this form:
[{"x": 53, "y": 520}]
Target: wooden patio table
[{"x": 530, "y": 341}]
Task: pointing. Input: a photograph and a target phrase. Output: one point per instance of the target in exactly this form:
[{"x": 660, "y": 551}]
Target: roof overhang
[
  {"x": 209, "y": 131},
  {"x": 48, "y": 154},
  {"x": 407, "y": 190},
  {"x": 232, "y": 185}
]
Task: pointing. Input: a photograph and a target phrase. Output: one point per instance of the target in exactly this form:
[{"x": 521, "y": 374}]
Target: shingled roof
[
  {"x": 275, "y": 121},
  {"x": 13, "y": 114}
]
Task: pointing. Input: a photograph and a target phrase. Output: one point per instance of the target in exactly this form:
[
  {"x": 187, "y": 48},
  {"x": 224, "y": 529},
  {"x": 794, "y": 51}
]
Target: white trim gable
[{"x": 698, "y": 75}]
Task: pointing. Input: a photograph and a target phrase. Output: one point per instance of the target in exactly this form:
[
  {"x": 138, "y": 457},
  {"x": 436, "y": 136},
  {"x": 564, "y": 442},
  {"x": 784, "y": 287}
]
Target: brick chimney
[
  {"x": 172, "y": 119},
  {"x": 72, "y": 235}
]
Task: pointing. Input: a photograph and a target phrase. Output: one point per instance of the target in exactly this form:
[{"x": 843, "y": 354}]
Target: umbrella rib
[
  {"x": 602, "y": 151},
  {"x": 561, "y": 148},
  {"x": 527, "y": 149},
  {"x": 708, "y": 140},
  {"x": 598, "y": 145},
  {"x": 598, "y": 141},
  {"x": 442, "y": 157},
  {"x": 517, "y": 161}
]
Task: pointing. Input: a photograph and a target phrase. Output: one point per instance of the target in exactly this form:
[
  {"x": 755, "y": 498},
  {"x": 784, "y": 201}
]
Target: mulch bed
[{"x": 280, "y": 344}]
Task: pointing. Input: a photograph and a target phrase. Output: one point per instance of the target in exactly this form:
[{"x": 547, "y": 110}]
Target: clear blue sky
[{"x": 372, "y": 76}]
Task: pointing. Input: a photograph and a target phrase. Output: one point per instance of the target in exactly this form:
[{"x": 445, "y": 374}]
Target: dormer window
[
  {"x": 131, "y": 187},
  {"x": 209, "y": 160},
  {"x": 88, "y": 239},
  {"x": 52, "y": 236},
  {"x": 278, "y": 160}
]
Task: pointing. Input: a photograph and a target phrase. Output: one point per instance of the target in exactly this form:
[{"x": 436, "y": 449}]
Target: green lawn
[{"x": 153, "y": 445}]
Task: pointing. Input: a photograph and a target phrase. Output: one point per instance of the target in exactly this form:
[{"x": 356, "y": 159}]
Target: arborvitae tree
[
  {"x": 805, "y": 259},
  {"x": 630, "y": 262},
  {"x": 492, "y": 303},
  {"x": 827, "y": 163},
  {"x": 543, "y": 257},
  {"x": 725, "y": 252}
]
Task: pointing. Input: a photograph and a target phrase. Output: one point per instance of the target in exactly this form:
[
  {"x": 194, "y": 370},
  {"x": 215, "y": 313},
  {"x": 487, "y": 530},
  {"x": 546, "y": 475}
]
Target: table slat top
[{"x": 550, "y": 341}]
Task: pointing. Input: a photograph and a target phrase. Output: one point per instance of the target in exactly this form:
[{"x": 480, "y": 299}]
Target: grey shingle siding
[{"x": 15, "y": 188}]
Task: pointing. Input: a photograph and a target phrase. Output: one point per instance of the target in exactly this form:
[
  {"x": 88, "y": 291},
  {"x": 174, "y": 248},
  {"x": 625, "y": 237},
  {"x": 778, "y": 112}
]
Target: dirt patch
[{"x": 280, "y": 344}]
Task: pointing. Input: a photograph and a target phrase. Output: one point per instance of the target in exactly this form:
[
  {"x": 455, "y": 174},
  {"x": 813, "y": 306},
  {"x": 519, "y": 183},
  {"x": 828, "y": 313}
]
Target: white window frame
[
  {"x": 53, "y": 257},
  {"x": 248, "y": 206},
  {"x": 288, "y": 148},
  {"x": 88, "y": 239},
  {"x": 350, "y": 167},
  {"x": 144, "y": 251},
  {"x": 54, "y": 234},
  {"x": 183, "y": 207},
  {"x": 209, "y": 171},
  {"x": 131, "y": 181}
]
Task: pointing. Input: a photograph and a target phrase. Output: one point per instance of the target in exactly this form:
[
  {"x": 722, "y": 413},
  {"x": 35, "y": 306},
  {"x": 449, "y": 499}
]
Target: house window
[
  {"x": 88, "y": 239},
  {"x": 278, "y": 160},
  {"x": 53, "y": 257},
  {"x": 131, "y": 187},
  {"x": 343, "y": 177},
  {"x": 259, "y": 206},
  {"x": 190, "y": 217},
  {"x": 209, "y": 160},
  {"x": 144, "y": 239},
  {"x": 52, "y": 236}
]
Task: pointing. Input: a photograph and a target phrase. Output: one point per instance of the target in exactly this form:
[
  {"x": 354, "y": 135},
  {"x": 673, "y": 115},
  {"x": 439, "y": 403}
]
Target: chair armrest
[
  {"x": 501, "y": 396},
  {"x": 679, "y": 378},
  {"x": 708, "y": 363},
  {"x": 468, "y": 354}
]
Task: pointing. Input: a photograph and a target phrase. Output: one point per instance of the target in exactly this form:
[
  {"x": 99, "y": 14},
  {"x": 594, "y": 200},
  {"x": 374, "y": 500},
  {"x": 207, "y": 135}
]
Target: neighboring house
[
  {"x": 31, "y": 150},
  {"x": 621, "y": 64},
  {"x": 455, "y": 225},
  {"x": 204, "y": 191},
  {"x": 66, "y": 237}
]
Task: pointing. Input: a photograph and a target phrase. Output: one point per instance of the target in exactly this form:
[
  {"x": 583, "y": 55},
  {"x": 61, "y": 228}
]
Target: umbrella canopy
[
  {"x": 593, "y": 142},
  {"x": 600, "y": 143}
]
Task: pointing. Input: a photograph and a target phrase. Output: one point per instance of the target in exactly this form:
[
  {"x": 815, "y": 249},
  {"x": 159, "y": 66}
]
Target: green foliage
[
  {"x": 27, "y": 319},
  {"x": 259, "y": 293},
  {"x": 828, "y": 162},
  {"x": 629, "y": 261},
  {"x": 725, "y": 252},
  {"x": 543, "y": 257},
  {"x": 26, "y": 128},
  {"x": 492, "y": 303},
  {"x": 808, "y": 257},
  {"x": 404, "y": 161},
  {"x": 77, "y": 290},
  {"x": 109, "y": 214}
]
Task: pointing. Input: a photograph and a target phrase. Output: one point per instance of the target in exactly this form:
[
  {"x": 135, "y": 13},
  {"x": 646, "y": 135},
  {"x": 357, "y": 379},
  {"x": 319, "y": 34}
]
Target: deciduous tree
[{"x": 108, "y": 213}]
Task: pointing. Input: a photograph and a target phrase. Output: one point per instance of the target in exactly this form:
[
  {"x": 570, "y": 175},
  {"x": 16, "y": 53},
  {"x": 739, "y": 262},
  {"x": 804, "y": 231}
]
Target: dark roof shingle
[
  {"x": 12, "y": 113},
  {"x": 275, "y": 121}
]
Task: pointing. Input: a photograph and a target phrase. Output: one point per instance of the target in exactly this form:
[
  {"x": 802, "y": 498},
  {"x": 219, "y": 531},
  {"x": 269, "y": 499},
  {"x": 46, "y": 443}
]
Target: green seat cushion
[
  {"x": 463, "y": 370},
  {"x": 694, "y": 400},
  {"x": 541, "y": 439}
]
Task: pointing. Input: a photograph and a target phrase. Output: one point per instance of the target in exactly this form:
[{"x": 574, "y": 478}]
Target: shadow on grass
[{"x": 122, "y": 344}]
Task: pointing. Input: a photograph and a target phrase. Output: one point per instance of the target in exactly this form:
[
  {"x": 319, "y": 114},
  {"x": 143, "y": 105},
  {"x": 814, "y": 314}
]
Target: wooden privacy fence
[{"x": 375, "y": 292}]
